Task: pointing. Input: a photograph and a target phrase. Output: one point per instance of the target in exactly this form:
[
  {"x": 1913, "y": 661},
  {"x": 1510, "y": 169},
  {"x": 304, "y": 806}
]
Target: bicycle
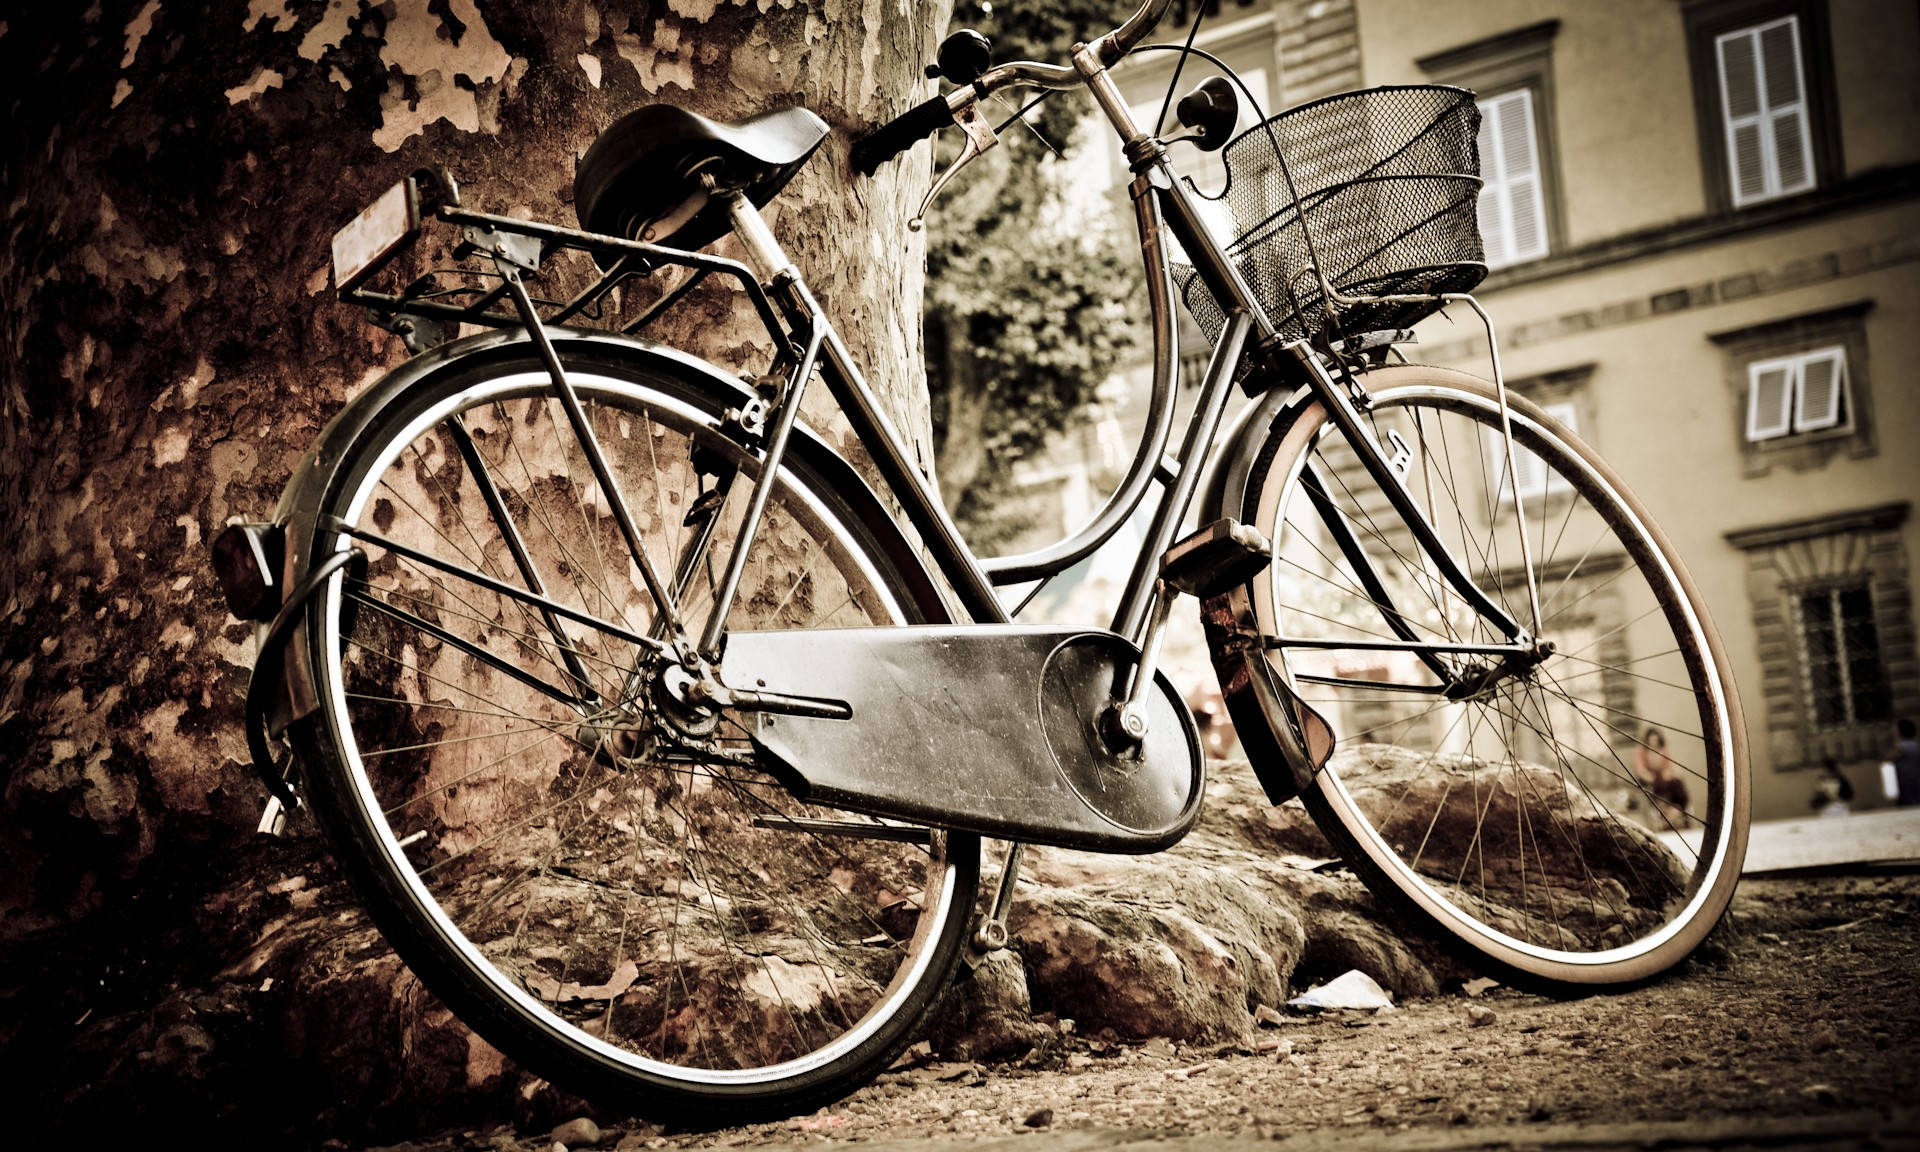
[{"x": 633, "y": 712}]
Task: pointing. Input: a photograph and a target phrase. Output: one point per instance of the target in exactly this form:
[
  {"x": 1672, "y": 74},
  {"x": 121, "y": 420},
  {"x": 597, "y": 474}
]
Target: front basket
[{"x": 1388, "y": 182}]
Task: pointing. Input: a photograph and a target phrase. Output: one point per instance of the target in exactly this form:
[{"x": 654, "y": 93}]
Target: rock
[
  {"x": 987, "y": 1013},
  {"x": 1267, "y": 1017},
  {"x": 1453, "y": 804},
  {"x": 1351, "y": 989},
  {"x": 1479, "y": 1015},
  {"x": 1039, "y": 1118},
  {"x": 578, "y": 1132},
  {"x": 1822, "y": 1039}
]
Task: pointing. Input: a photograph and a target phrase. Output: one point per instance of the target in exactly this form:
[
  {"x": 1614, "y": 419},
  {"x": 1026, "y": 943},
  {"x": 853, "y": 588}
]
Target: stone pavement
[
  {"x": 1883, "y": 836},
  {"x": 1862, "y": 1131}
]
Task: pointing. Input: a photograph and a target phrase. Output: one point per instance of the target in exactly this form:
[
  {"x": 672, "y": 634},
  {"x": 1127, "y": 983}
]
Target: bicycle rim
[
  {"x": 616, "y": 898},
  {"x": 1576, "y": 821}
]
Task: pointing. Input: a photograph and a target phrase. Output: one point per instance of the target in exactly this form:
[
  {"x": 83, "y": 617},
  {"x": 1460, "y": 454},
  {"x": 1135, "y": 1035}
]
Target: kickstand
[{"x": 991, "y": 936}]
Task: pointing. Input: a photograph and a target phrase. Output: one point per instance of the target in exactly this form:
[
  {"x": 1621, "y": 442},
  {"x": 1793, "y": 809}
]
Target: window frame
[
  {"x": 1541, "y": 484},
  {"x": 1503, "y": 190},
  {"x": 1789, "y": 338},
  {"x": 1707, "y": 21},
  {"x": 1840, "y": 548},
  {"x": 1496, "y": 67}
]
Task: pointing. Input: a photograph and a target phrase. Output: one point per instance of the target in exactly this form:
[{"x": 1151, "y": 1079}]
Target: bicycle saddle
[{"x": 640, "y": 179}]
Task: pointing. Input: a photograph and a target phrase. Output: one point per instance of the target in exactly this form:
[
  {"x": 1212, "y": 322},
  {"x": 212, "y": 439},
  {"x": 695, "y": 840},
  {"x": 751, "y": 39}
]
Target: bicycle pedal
[{"x": 1219, "y": 556}]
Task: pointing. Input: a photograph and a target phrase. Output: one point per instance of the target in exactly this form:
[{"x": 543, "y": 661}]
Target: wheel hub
[
  {"x": 673, "y": 702},
  {"x": 1478, "y": 678}
]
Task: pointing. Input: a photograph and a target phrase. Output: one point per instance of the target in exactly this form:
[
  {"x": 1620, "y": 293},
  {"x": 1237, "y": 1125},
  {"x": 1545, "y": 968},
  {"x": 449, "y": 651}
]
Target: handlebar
[
  {"x": 923, "y": 120},
  {"x": 901, "y": 133}
]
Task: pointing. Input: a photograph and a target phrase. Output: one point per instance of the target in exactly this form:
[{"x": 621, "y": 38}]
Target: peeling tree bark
[{"x": 169, "y": 347}]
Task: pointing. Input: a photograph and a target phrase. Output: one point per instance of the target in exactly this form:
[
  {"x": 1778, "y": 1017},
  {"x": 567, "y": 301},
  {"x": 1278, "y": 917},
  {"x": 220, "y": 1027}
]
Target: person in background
[
  {"x": 1906, "y": 763},
  {"x": 1659, "y": 776}
]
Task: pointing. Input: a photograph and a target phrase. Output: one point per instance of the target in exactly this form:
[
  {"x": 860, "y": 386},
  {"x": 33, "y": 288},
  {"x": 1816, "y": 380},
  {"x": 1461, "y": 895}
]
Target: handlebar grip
[{"x": 900, "y": 133}]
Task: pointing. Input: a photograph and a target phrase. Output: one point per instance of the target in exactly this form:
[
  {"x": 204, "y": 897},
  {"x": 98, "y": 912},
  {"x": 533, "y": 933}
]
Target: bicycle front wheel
[
  {"x": 1572, "y": 816},
  {"x": 610, "y": 888}
]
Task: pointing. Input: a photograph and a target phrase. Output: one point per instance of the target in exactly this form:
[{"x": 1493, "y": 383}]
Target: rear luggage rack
[{"x": 381, "y": 245}]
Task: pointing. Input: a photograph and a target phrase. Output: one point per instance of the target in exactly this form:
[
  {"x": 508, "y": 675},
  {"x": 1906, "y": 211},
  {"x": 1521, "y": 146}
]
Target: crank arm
[{"x": 711, "y": 693}]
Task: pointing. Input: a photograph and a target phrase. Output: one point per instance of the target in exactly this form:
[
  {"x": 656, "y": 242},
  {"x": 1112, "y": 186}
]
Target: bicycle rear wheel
[
  {"x": 609, "y": 889},
  {"x": 1576, "y": 821}
]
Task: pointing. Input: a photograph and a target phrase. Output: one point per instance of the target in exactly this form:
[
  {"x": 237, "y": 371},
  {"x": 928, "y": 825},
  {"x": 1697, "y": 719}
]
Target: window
[
  {"x": 1833, "y": 619},
  {"x": 1512, "y": 76},
  {"x": 1763, "y": 98},
  {"x": 1535, "y": 479},
  {"x": 1763, "y": 88},
  {"x": 1513, "y": 211},
  {"x": 1840, "y": 652},
  {"x": 1798, "y": 389},
  {"x": 1797, "y": 394}
]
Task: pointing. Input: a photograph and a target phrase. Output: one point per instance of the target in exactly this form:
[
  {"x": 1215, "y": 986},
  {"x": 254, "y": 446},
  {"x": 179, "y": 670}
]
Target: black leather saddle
[{"x": 641, "y": 179}]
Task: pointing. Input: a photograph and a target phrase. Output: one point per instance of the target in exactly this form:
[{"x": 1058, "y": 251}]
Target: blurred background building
[{"x": 1703, "y": 220}]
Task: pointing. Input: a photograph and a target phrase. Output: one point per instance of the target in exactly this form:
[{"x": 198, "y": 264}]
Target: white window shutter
[
  {"x": 1822, "y": 384},
  {"x": 1769, "y": 399},
  {"x": 1513, "y": 216},
  {"x": 1526, "y": 208},
  {"x": 1786, "y": 105},
  {"x": 1493, "y": 206},
  {"x": 1741, "y": 102}
]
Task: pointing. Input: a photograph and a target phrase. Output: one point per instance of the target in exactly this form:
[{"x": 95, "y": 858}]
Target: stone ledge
[{"x": 1878, "y": 518}]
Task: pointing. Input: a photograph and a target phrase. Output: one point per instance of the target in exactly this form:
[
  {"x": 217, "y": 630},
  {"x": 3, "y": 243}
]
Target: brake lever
[{"x": 980, "y": 137}]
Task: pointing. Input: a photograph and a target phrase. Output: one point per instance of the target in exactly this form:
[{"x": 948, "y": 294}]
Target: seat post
[{"x": 764, "y": 253}]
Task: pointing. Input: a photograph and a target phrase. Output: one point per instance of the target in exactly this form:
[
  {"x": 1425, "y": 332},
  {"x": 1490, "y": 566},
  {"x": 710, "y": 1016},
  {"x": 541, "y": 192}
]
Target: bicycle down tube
[{"x": 1183, "y": 218}]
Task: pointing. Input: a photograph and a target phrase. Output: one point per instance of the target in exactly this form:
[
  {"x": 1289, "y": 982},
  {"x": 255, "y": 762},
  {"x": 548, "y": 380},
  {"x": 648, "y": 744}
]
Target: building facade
[
  {"x": 1703, "y": 218},
  {"x": 1703, "y": 222}
]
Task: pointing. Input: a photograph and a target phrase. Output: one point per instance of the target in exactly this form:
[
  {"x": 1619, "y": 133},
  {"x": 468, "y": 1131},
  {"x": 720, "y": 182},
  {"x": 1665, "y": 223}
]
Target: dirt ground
[{"x": 1802, "y": 1010}]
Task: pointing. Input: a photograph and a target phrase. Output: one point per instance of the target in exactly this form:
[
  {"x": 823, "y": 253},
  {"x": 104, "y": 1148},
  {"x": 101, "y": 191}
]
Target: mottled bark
[{"x": 169, "y": 346}]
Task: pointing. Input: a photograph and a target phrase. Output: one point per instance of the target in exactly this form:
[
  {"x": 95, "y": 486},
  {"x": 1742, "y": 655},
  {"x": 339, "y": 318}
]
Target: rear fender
[{"x": 322, "y": 470}]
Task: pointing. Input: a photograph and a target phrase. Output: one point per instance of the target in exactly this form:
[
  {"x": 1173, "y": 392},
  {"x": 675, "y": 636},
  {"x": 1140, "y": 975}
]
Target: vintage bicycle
[{"x": 662, "y": 745}]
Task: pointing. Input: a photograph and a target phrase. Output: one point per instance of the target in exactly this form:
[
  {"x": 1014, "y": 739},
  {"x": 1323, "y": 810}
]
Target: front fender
[{"x": 1284, "y": 739}]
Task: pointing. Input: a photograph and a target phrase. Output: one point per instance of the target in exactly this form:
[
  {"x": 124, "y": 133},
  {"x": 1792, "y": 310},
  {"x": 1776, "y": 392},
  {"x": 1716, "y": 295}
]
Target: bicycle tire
[
  {"x": 679, "y": 944},
  {"x": 1407, "y": 784}
]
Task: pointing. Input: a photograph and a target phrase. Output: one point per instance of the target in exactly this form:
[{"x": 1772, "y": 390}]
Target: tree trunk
[{"x": 170, "y": 348}]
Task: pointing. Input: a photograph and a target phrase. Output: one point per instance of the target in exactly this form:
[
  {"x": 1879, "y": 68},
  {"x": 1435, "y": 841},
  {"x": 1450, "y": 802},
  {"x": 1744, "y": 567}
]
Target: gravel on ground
[{"x": 1795, "y": 1023}]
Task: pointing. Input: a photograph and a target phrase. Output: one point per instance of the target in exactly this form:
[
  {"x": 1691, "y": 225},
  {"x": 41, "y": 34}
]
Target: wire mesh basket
[{"x": 1388, "y": 182}]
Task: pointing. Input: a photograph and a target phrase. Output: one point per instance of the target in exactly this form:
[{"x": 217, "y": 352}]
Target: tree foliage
[{"x": 1033, "y": 284}]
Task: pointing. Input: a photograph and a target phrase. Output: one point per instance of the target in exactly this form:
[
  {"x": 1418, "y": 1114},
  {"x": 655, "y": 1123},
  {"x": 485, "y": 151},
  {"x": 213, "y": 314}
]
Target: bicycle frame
[{"x": 1163, "y": 207}]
